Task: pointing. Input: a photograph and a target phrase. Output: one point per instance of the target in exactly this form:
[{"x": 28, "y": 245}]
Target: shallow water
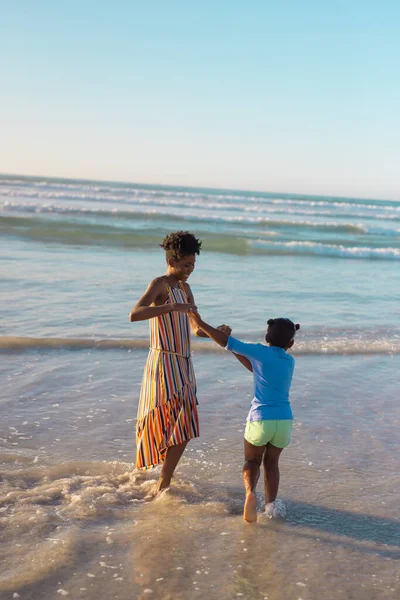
[{"x": 77, "y": 518}]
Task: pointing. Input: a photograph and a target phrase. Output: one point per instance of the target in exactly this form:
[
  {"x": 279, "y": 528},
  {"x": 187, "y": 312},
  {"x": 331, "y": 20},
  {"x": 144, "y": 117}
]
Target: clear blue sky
[{"x": 297, "y": 95}]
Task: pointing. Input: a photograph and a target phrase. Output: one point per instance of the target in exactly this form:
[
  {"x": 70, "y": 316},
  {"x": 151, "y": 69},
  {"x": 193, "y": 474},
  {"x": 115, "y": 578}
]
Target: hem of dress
[
  {"x": 187, "y": 437},
  {"x": 161, "y": 461}
]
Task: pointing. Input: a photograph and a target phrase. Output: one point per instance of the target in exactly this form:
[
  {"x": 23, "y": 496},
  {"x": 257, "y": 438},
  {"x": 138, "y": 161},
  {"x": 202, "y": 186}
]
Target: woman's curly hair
[{"x": 180, "y": 244}]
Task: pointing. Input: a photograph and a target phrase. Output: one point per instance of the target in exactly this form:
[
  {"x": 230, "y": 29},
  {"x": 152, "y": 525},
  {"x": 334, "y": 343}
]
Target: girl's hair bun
[{"x": 281, "y": 332}]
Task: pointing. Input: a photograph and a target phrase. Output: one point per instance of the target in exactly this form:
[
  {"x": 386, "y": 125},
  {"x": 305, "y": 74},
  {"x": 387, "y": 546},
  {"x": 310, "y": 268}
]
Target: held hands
[{"x": 225, "y": 329}]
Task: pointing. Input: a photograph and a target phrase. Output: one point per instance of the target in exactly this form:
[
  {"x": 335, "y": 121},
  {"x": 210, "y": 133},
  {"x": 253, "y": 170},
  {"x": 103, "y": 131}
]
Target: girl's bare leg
[
  {"x": 251, "y": 472},
  {"x": 172, "y": 457},
  {"x": 271, "y": 472}
]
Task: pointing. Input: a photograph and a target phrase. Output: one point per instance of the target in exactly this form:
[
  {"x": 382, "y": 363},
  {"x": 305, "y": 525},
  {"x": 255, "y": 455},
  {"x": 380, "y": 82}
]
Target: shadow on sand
[{"x": 382, "y": 533}]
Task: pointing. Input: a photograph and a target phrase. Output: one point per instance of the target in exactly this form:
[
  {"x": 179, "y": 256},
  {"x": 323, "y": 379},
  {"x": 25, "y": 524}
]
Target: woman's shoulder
[
  {"x": 186, "y": 287},
  {"x": 159, "y": 282},
  {"x": 159, "y": 288}
]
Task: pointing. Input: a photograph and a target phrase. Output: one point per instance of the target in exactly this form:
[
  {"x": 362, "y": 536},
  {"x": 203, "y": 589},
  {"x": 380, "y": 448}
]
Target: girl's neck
[{"x": 272, "y": 346}]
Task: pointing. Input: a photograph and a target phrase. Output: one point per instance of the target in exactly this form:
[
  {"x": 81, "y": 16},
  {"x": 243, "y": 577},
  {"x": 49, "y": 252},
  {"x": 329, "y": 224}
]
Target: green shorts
[{"x": 261, "y": 433}]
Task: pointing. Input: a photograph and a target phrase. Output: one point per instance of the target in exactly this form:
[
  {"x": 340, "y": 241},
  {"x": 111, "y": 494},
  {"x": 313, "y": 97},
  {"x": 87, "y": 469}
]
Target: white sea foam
[
  {"x": 275, "y": 510},
  {"x": 196, "y": 215},
  {"x": 308, "y": 247},
  {"x": 324, "y": 342},
  {"x": 123, "y": 193}
]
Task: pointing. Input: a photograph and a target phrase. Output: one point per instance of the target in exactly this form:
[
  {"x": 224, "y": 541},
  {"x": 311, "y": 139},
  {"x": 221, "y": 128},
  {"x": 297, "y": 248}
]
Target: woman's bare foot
[
  {"x": 161, "y": 485},
  {"x": 250, "y": 508}
]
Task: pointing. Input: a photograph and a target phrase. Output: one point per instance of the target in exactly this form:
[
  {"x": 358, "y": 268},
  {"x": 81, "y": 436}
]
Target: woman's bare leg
[
  {"x": 251, "y": 472},
  {"x": 172, "y": 457}
]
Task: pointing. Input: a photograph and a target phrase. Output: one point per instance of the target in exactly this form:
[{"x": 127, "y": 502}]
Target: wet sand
[{"x": 77, "y": 521}]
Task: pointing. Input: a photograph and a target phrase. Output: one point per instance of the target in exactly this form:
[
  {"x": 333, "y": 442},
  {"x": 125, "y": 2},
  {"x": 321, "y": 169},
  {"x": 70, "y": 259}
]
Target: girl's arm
[
  {"x": 245, "y": 361},
  {"x": 142, "y": 309},
  {"x": 220, "y": 337}
]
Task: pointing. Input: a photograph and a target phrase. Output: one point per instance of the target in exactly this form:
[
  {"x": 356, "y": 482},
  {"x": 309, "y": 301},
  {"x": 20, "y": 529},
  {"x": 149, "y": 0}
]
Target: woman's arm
[
  {"x": 142, "y": 309},
  {"x": 220, "y": 337},
  {"x": 195, "y": 329}
]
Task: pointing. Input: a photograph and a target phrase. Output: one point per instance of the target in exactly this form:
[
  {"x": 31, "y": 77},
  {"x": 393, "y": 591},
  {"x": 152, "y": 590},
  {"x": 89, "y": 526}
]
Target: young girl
[
  {"x": 167, "y": 414},
  {"x": 269, "y": 422}
]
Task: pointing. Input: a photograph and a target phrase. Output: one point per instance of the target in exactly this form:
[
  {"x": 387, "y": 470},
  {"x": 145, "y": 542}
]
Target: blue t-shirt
[{"x": 272, "y": 372}]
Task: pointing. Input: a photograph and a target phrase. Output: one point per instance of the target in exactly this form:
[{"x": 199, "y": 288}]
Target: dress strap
[{"x": 183, "y": 289}]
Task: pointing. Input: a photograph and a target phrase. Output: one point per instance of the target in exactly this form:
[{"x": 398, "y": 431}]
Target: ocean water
[{"x": 75, "y": 518}]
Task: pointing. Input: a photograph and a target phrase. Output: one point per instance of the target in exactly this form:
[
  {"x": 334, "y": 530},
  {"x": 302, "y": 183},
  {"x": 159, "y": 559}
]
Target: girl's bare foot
[{"x": 250, "y": 508}]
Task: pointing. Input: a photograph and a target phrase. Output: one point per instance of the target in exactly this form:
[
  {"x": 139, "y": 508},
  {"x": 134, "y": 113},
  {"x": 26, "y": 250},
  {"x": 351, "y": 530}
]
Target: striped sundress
[{"x": 167, "y": 413}]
